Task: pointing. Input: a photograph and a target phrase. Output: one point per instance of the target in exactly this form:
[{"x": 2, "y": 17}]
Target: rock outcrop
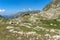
[{"x": 43, "y": 25}]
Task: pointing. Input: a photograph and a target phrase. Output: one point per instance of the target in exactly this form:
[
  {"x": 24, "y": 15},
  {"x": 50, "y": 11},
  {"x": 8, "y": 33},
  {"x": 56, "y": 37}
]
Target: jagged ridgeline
[
  {"x": 53, "y": 4},
  {"x": 33, "y": 25},
  {"x": 25, "y": 13}
]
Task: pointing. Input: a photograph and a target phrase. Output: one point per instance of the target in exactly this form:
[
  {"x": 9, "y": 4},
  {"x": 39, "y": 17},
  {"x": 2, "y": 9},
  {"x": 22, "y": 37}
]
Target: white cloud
[
  {"x": 2, "y": 10},
  {"x": 24, "y": 9},
  {"x": 30, "y": 9}
]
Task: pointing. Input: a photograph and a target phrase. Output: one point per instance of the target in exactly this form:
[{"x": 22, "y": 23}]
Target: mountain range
[{"x": 33, "y": 25}]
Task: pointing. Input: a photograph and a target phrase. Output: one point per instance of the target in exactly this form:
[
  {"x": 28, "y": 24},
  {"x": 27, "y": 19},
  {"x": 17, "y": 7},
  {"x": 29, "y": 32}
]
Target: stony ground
[
  {"x": 30, "y": 27},
  {"x": 44, "y": 25}
]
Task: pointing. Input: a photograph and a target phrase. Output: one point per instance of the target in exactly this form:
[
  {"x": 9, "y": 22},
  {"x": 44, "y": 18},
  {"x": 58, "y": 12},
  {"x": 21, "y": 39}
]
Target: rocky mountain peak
[
  {"x": 52, "y": 10},
  {"x": 54, "y": 1},
  {"x": 33, "y": 25},
  {"x": 54, "y": 4}
]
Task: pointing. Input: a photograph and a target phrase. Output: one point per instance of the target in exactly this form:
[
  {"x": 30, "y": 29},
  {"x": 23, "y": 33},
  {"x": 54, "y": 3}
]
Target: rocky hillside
[
  {"x": 24, "y": 13},
  {"x": 54, "y": 4},
  {"x": 43, "y": 25}
]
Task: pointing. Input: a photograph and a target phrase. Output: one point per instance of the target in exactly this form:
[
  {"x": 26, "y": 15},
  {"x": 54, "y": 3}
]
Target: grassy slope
[{"x": 6, "y": 35}]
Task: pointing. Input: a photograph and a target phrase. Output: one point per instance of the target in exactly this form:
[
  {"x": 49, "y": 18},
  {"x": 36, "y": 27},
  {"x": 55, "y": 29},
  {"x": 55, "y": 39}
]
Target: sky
[{"x": 9, "y": 7}]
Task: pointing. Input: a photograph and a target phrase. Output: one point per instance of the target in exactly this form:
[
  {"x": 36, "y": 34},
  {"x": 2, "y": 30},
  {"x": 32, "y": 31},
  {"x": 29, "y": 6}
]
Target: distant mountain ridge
[
  {"x": 2, "y": 16},
  {"x": 20, "y": 14},
  {"x": 25, "y": 13},
  {"x": 33, "y": 25}
]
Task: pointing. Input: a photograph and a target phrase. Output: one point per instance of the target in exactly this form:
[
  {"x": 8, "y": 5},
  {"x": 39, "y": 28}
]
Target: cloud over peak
[{"x": 2, "y": 10}]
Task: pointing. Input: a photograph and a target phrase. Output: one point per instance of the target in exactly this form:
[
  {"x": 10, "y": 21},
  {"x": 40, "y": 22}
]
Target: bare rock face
[
  {"x": 54, "y": 4},
  {"x": 43, "y": 25},
  {"x": 52, "y": 10}
]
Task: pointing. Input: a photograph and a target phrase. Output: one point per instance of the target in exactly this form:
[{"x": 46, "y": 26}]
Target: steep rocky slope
[
  {"x": 54, "y": 4},
  {"x": 43, "y": 25}
]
